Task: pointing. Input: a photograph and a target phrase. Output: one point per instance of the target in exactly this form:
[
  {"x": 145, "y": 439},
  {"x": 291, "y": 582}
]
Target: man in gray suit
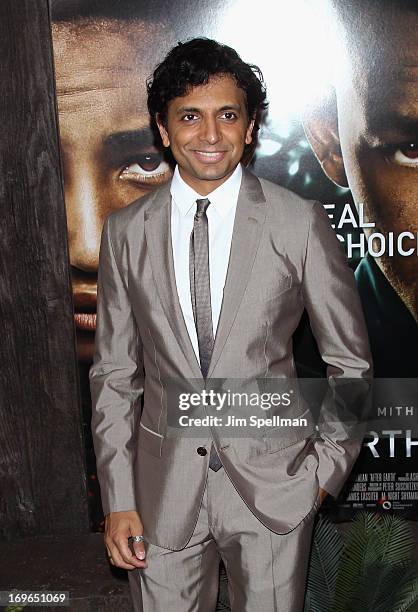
[{"x": 206, "y": 280}]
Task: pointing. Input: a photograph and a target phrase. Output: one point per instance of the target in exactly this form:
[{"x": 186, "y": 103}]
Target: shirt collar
[{"x": 222, "y": 199}]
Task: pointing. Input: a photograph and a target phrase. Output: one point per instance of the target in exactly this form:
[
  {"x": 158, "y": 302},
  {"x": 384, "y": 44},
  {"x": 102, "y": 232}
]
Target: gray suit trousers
[{"x": 266, "y": 571}]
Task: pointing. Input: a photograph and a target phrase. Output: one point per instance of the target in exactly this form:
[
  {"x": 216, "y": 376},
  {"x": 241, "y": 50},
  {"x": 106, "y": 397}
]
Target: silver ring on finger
[{"x": 138, "y": 538}]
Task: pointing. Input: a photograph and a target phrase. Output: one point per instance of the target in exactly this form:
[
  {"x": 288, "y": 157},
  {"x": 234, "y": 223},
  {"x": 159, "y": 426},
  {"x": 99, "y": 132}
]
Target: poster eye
[
  {"x": 146, "y": 167},
  {"x": 406, "y": 154}
]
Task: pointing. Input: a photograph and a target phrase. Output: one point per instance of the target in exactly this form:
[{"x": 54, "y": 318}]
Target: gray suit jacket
[{"x": 284, "y": 258}]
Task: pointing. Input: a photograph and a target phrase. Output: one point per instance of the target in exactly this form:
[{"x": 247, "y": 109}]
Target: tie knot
[{"x": 202, "y": 205}]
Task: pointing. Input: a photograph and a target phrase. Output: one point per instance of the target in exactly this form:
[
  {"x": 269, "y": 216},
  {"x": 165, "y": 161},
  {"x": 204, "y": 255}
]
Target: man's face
[
  {"x": 108, "y": 152},
  {"x": 377, "y": 130},
  {"x": 207, "y": 130}
]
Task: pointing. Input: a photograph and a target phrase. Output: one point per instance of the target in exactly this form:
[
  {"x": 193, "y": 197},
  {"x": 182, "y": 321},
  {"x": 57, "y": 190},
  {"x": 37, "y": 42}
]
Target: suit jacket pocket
[
  {"x": 269, "y": 289},
  {"x": 150, "y": 440},
  {"x": 279, "y": 438}
]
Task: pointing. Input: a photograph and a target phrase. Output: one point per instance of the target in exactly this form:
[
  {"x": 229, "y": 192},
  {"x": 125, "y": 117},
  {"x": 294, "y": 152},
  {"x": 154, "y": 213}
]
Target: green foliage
[
  {"x": 326, "y": 552},
  {"x": 373, "y": 571}
]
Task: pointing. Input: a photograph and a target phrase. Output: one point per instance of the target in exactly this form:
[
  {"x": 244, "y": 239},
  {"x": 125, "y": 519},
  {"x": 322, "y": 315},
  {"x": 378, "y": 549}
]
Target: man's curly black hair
[{"x": 193, "y": 63}]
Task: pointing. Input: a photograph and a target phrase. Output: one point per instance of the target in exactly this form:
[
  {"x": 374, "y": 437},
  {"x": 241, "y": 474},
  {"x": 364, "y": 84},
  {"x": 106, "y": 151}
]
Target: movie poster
[{"x": 341, "y": 128}]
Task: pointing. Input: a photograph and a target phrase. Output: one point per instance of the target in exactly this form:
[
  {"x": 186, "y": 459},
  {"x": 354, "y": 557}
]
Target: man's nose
[
  {"x": 85, "y": 218},
  {"x": 210, "y": 131}
]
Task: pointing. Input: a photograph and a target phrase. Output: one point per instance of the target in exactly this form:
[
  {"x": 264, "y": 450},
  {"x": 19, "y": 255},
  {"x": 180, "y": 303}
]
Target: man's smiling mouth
[{"x": 210, "y": 156}]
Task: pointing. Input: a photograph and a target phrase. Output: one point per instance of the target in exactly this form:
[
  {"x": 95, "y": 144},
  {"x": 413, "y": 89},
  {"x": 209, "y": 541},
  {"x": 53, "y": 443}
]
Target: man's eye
[
  {"x": 229, "y": 115},
  {"x": 148, "y": 167},
  {"x": 189, "y": 117},
  {"x": 405, "y": 154}
]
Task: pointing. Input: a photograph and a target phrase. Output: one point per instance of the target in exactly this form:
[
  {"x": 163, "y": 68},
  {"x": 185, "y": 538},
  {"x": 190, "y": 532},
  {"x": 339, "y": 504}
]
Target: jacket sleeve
[
  {"x": 116, "y": 382},
  {"x": 336, "y": 317}
]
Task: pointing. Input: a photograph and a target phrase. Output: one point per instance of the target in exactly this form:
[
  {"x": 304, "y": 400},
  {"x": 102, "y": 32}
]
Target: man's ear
[
  {"x": 162, "y": 129},
  {"x": 251, "y": 141},
  {"x": 321, "y": 128},
  {"x": 249, "y": 132}
]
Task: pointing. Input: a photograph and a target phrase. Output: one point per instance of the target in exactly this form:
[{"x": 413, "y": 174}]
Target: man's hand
[{"x": 119, "y": 526}]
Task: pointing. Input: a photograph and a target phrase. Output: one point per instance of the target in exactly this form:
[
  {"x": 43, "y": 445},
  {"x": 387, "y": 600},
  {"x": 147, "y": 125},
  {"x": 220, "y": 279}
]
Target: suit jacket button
[{"x": 202, "y": 451}]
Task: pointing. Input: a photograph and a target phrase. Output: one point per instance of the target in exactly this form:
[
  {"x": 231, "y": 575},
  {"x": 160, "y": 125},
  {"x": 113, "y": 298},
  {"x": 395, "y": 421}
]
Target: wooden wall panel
[{"x": 42, "y": 475}]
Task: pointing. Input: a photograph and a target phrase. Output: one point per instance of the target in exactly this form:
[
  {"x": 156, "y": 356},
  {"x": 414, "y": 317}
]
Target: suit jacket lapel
[
  {"x": 248, "y": 226},
  {"x": 158, "y": 237}
]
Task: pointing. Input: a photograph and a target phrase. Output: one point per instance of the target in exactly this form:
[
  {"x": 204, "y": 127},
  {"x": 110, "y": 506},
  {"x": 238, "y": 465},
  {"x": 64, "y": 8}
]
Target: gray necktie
[{"x": 200, "y": 292}]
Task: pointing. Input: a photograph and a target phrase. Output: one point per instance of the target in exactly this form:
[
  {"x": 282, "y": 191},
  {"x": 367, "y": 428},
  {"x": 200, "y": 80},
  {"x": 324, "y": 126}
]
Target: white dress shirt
[{"x": 221, "y": 215}]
